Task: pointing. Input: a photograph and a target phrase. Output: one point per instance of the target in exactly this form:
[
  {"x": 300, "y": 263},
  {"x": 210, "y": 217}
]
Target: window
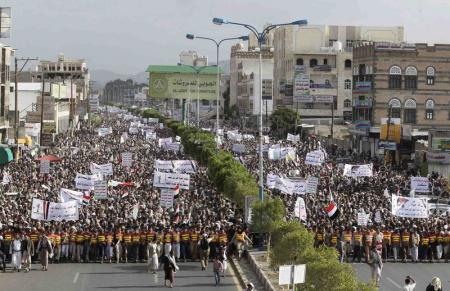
[
  {"x": 396, "y": 108},
  {"x": 327, "y": 83},
  {"x": 429, "y": 109},
  {"x": 300, "y": 62},
  {"x": 430, "y": 75},
  {"x": 347, "y": 84},
  {"x": 409, "y": 115},
  {"x": 325, "y": 61},
  {"x": 411, "y": 78},
  {"x": 349, "y": 43},
  {"x": 312, "y": 63},
  {"x": 395, "y": 77},
  {"x": 347, "y": 116},
  {"x": 348, "y": 64},
  {"x": 331, "y": 42},
  {"x": 347, "y": 103}
]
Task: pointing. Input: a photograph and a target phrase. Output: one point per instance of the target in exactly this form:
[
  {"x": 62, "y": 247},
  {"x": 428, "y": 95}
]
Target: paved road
[
  {"x": 393, "y": 274},
  {"x": 106, "y": 277}
]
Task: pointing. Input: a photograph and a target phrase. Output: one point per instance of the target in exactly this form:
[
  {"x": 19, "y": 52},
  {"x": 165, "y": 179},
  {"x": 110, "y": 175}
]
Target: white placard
[
  {"x": 171, "y": 180},
  {"x": 166, "y": 199},
  {"x": 362, "y": 219},
  {"x": 85, "y": 182},
  {"x": 133, "y": 130},
  {"x": 300, "y": 209},
  {"x": 127, "y": 159},
  {"x": 153, "y": 120},
  {"x": 291, "y": 274},
  {"x": 51, "y": 211},
  {"x": 104, "y": 131},
  {"x": 293, "y": 138},
  {"x": 409, "y": 207},
  {"x": 101, "y": 190},
  {"x": 358, "y": 170},
  {"x": 234, "y": 136},
  {"x": 66, "y": 195},
  {"x": 278, "y": 153},
  {"x": 163, "y": 141},
  {"x": 286, "y": 185},
  {"x": 45, "y": 167},
  {"x": 311, "y": 184},
  {"x": 248, "y": 137},
  {"x": 150, "y": 134},
  {"x": 420, "y": 184},
  {"x": 174, "y": 146},
  {"x": 239, "y": 148},
  {"x": 104, "y": 169},
  {"x": 184, "y": 166},
  {"x": 315, "y": 158}
]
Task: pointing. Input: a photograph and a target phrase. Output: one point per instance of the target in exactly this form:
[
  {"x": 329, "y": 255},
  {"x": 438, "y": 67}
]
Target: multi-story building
[
  {"x": 192, "y": 58},
  {"x": 244, "y": 79},
  {"x": 69, "y": 71},
  {"x": 320, "y": 55},
  {"x": 5, "y": 59},
  {"x": 408, "y": 84}
]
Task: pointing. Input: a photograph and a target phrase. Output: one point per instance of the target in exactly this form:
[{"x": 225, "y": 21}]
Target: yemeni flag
[
  {"x": 86, "y": 199},
  {"x": 176, "y": 190},
  {"x": 332, "y": 209}
]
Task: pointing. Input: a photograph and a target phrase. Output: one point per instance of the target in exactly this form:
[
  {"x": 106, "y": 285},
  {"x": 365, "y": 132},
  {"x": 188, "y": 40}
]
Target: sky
[{"x": 125, "y": 36}]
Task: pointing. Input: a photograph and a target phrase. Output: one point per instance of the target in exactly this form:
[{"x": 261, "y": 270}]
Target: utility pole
[
  {"x": 387, "y": 153},
  {"x": 42, "y": 108},
  {"x": 332, "y": 120}
]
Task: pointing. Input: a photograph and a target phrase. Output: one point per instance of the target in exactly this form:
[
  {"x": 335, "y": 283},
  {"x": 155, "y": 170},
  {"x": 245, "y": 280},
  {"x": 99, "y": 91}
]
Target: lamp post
[
  {"x": 261, "y": 37},
  {"x": 217, "y": 43}
]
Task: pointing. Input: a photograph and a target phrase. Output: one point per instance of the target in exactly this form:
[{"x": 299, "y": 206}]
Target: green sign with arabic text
[{"x": 183, "y": 86}]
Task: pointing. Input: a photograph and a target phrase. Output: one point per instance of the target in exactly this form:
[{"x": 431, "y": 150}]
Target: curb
[
  {"x": 268, "y": 286},
  {"x": 237, "y": 272}
]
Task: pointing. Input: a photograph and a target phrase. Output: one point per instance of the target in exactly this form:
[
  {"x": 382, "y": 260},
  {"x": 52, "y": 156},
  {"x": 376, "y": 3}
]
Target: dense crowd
[
  {"x": 406, "y": 239},
  {"x": 106, "y": 229}
]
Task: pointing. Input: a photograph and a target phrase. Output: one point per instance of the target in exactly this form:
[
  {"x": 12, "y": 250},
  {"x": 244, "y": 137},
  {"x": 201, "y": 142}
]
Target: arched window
[
  {"x": 409, "y": 115},
  {"x": 395, "y": 77},
  {"x": 395, "y": 107},
  {"x": 430, "y": 75},
  {"x": 411, "y": 78},
  {"x": 348, "y": 64},
  {"x": 299, "y": 62},
  {"x": 429, "y": 109},
  {"x": 312, "y": 63},
  {"x": 347, "y": 84},
  {"x": 347, "y": 103}
]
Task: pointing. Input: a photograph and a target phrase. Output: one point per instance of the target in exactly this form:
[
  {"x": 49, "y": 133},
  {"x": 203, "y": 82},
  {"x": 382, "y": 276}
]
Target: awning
[{"x": 6, "y": 156}]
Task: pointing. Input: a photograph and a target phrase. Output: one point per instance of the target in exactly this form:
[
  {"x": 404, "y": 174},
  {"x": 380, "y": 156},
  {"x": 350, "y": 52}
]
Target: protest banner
[
  {"x": 171, "y": 180},
  {"x": 358, "y": 170},
  {"x": 150, "y": 135},
  {"x": 409, "y": 207},
  {"x": 286, "y": 185},
  {"x": 44, "y": 167},
  {"x": 239, "y": 148},
  {"x": 315, "y": 158},
  {"x": 166, "y": 200},
  {"x": 420, "y": 184},
  {"x": 362, "y": 218},
  {"x": 163, "y": 141},
  {"x": 104, "y": 169},
  {"x": 100, "y": 190},
  {"x": 104, "y": 131},
  {"x": 300, "y": 209},
  {"x": 85, "y": 182},
  {"x": 293, "y": 138},
  {"x": 153, "y": 120},
  {"x": 127, "y": 159},
  {"x": 51, "y": 211},
  {"x": 66, "y": 195},
  {"x": 311, "y": 184}
]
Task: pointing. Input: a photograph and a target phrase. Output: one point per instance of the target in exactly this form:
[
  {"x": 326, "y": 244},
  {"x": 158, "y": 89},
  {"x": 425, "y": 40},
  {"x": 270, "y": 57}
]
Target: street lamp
[
  {"x": 261, "y": 37},
  {"x": 217, "y": 43}
]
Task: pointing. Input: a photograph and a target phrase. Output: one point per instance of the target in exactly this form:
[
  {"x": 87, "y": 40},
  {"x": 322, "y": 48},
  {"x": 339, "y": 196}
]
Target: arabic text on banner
[
  {"x": 409, "y": 207},
  {"x": 171, "y": 180},
  {"x": 51, "y": 211},
  {"x": 358, "y": 170},
  {"x": 420, "y": 184}
]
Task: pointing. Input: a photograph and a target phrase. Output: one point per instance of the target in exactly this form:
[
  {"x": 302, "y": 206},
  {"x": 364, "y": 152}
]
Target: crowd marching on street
[
  {"x": 133, "y": 225},
  {"x": 130, "y": 225}
]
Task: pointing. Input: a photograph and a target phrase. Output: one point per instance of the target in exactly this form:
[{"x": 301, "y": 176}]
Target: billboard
[
  {"x": 183, "y": 86},
  {"x": 441, "y": 144},
  {"x": 5, "y": 22},
  {"x": 301, "y": 83},
  {"x": 395, "y": 129}
]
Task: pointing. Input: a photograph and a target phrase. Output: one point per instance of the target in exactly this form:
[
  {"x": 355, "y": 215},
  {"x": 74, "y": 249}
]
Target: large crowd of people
[{"x": 106, "y": 230}]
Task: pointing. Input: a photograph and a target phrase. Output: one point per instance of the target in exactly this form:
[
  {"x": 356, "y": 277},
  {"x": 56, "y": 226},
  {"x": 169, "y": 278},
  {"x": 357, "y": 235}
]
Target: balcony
[{"x": 322, "y": 70}]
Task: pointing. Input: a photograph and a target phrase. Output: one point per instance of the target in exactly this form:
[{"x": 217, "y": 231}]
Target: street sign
[
  {"x": 291, "y": 275},
  {"x": 49, "y": 127}
]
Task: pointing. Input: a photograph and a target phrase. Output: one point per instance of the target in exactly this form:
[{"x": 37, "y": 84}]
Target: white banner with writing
[
  {"x": 315, "y": 158},
  {"x": 409, "y": 207},
  {"x": 171, "y": 180},
  {"x": 51, "y": 211},
  {"x": 166, "y": 200},
  {"x": 358, "y": 170},
  {"x": 420, "y": 184},
  {"x": 104, "y": 169},
  {"x": 85, "y": 182}
]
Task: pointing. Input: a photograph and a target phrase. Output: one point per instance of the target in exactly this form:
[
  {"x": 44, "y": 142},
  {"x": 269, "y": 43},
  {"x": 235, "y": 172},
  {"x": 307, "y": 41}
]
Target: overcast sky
[{"x": 127, "y": 35}]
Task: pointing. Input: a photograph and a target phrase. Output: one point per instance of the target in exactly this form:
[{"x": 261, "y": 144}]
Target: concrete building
[
  {"x": 410, "y": 83},
  {"x": 5, "y": 62},
  {"x": 69, "y": 71},
  {"x": 244, "y": 79},
  {"x": 322, "y": 55},
  {"x": 192, "y": 58}
]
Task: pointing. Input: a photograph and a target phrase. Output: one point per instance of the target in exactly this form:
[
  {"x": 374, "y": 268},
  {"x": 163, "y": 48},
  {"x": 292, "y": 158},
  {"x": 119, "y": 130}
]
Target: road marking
[
  {"x": 393, "y": 282},
  {"x": 76, "y": 277}
]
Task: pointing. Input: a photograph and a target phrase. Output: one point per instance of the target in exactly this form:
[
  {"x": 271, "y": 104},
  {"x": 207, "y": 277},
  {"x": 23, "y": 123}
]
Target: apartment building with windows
[
  {"x": 6, "y": 57},
  {"x": 320, "y": 55},
  {"x": 407, "y": 82}
]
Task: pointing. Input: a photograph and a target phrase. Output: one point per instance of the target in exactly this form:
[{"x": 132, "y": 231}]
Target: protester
[
  {"x": 410, "y": 284},
  {"x": 170, "y": 267},
  {"x": 2, "y": 254},
  {"x": 153, "y": 250},
  {"x": 377, "y": 266},
  {"x": 15, "y": 250},
  {"x": 435, "y": 285},
  {"x": 45, "y": 249}
]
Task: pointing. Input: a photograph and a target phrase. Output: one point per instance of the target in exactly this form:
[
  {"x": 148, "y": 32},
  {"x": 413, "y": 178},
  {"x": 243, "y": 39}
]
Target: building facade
[
  {"x": 5, "y": 59},
  {"x": 244, "y": 79},
  {"x": 408, "y": 84},
  {"x": 192, "y": 58},
  {"x": 322, "y": 55}
]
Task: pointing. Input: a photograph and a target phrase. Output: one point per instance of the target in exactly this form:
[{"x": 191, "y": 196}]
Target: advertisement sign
[
  {"x": 363, "y": 86},
  {"x": 301, "y": 82},
  {"x": 387, "y": 145},
  {"x": 183, "y": 86},
  {"x": 440, "y": 144},
  {"x": 442, "y": 158},
  {"x": 46, "y": 139},
  {"x": 395, "y": 129},
  {"x": 314, "y": 98},
  {"x": 49, "y": 127},
  {"x": 409, "y": 207}
]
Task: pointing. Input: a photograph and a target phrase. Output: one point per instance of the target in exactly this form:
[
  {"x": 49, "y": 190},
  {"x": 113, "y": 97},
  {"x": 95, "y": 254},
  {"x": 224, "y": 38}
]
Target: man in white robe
[{"x": 15, "y": 250}]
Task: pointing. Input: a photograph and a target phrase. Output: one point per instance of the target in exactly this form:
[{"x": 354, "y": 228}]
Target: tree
[
  {"x": 267, "y": 215},
  {"x": 283, "y": 120}
]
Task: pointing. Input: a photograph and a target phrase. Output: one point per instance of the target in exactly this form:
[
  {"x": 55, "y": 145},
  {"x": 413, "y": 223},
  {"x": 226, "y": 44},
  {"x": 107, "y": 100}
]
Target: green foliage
[
  {"x": 323, "y": 270},
  {"x": 96, "y": 120},
  {"x": 283, "y": 228},
  {"x": 283, "y": 120},
  {"x": 267, "y": 215}
]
